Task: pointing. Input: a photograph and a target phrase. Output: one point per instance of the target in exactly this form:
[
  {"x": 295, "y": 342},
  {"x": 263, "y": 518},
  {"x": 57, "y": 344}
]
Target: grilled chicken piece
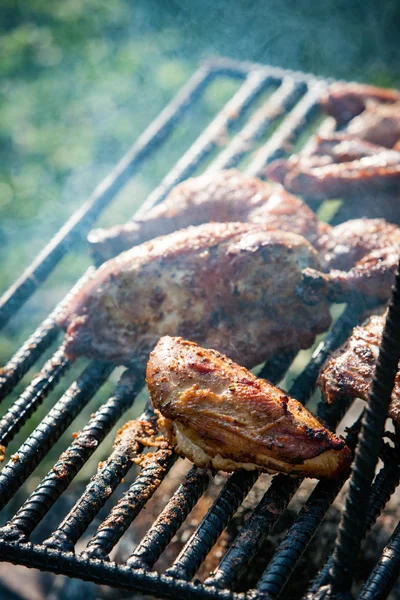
[
  {"x": 218, "y": 414},
  {"x": 327, "y": 150},
  {"x": 361, "y": 257},
  {"x": 378, "y": 124},
  {"x": 345, "y": 245},
  {"x": 380, "y": 173},
  {"x": 240, "y": 288},
  {"x": 344, "y": 147},
  {"x": 347, "y": 100},
  {"x": 221, "y": 197},
  {"x": 350, "y": 370}
]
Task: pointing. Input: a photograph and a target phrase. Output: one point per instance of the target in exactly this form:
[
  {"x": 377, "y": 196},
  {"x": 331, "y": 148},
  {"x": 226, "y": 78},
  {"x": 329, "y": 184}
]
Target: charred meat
[
  {"x": 218, "y": 414},
  {"x": 350, "y": 370},
  {"x": 227, "y": 196},
  {"x": 240, "y": 288}
]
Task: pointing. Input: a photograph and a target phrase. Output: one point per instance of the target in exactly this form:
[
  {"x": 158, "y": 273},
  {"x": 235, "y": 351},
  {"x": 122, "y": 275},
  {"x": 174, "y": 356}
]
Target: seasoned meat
[
  {"x": 346, "y": 100},
  {"x": 240, "y": 288},
  {"x": 218, "y": 414},
  {"x": 221, "y": 197},
  {"x": 327, "y": 150},
  {"x": 361, "y": 257},
  {"x": 279, "y": 169},
  {"x": 372, "y": 276},
  {"x": 343, "y": 246},
  {"x": 380, "y": 173},
  {"x": 378, "y": 123},
  {"x": 350, "y": 370},
  {"x": 343, "y": 147}
]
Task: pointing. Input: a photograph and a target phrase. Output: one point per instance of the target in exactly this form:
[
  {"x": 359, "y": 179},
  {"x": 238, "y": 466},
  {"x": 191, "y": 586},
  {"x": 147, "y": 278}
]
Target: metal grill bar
[
  {"x": 102, "y": 486},
  {"x": 383, "y": 487},
  {"x": 33, "y": 396},
  {"x": 149, "y": 479},
  {"x": 73, "y": 459},
  {"x": 299, "y": 118},
  {"x": 36, "y": 344},
  {"x": 366, "y": 457},
  {"x": 279, "y": 103},
  {"x": 51, "y": 428},
  {"x": 254, "y": 531},
  {"x": 302, "y": 531},
  {"x": 48, "y": 559},
  {"x": 386, "y": 572},
  {"x": 170, "y": 519},
  {"x": 210, "y": 138},
  {"x": 217, "y": 518}
]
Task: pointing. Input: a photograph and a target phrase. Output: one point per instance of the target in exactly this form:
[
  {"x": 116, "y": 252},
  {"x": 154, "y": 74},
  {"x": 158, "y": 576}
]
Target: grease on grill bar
[{"x": 294, "y": 99}]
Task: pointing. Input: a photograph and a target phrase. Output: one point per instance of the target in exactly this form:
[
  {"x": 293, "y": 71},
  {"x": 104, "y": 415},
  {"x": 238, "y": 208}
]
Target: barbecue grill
[{"x": 287, "y": 115}]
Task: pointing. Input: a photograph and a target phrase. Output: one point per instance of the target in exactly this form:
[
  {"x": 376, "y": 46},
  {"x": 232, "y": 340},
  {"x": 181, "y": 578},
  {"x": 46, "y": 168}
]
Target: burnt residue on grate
[{"x": 231, "y": 532}]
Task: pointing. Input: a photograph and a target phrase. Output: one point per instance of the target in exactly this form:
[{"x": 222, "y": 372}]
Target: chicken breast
[
  {"x": 221, "y": 197},
  {"x": 218, "y": 414},
  {"x": 350, "y": 370},
  {"x": 240, "y": 288},
  {"x": 347, "y": 100}
]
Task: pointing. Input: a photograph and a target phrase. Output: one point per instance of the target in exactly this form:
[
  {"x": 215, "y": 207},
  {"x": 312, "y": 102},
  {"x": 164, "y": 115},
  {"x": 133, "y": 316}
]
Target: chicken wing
[
  {"x": 240, "y": 288},
  {"x": 221, "y": 197},
  {"x": 343, "y": 147},
  {"x": 347, "y": 100},
  {"x": 350, "y": 370},
  {"x": 378, "y": 124},
  {"x": 379, "y": 174},
  {"x": 343, "y": 246},
  {"x": 218, "y": 414},
  {"x": 329, "y": 150}
]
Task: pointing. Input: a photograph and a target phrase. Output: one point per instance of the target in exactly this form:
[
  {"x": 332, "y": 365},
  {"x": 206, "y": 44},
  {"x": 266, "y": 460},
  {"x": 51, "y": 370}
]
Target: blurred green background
[{"x": 81, "y": 80}]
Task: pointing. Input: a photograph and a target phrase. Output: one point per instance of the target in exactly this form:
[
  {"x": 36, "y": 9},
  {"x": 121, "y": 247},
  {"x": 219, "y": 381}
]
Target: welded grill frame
[{"x": 296, "y": 98}]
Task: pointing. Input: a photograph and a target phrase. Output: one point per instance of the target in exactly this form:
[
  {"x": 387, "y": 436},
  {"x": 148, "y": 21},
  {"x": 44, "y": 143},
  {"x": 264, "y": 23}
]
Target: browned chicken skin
[
  {"x": 329, "y": 151},
  {"x": 309, "y": 177},
  {"x": 345, "y": 245},
  {"x": 378, "y": 124},
  {"x": 353, "y": 163},
  {"x": 220, "y": 415},
  {"x": 240, "y": 288},
  {"x": 350, "y": 370},
  {"x": 344, "y": 147},
  {"x": 226, "y": 196},
  {"x": 347, "y": 100}
]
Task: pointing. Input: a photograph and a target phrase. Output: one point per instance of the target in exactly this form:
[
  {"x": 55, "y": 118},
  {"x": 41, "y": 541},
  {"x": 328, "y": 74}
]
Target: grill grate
[{"x": 295, "y": 101}]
